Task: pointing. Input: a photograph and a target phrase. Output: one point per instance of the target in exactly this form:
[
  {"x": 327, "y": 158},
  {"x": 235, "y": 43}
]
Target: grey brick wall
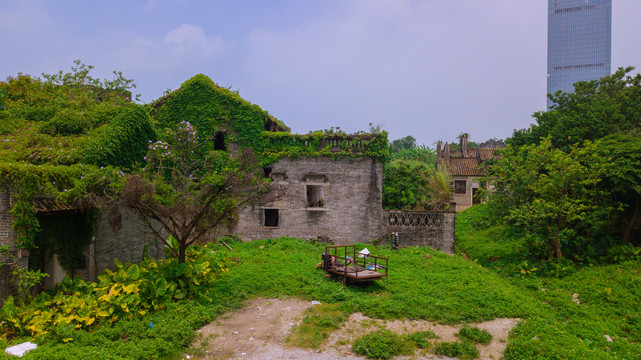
[
  {"x": 126, "y": 244},
  {"x": 7, "y": 238},
  {"x": 435, "y": 230},
  {"x": 351, "y": 209}
]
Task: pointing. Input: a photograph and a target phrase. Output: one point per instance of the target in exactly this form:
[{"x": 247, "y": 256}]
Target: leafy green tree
[
  {"x": 405, "y": 143},
  {"x": 547, "y": 191},
  {"x": 595, "y": 109},
  {"x": 621, "y": 158},
  {"x": 414, "y": 185}
]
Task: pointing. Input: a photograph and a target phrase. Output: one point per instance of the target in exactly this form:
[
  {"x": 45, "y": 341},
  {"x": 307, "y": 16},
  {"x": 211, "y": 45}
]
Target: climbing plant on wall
[
  {"x": 66, "y": 235},
  {"x": 61, "y": 134},
  {"x": 211, "y": 108}
]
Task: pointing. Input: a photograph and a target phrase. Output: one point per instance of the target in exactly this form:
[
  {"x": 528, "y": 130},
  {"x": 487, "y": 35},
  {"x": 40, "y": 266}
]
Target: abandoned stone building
[
  {"x": 465, "y": 168},
  {"x": 331, "y": 189}
]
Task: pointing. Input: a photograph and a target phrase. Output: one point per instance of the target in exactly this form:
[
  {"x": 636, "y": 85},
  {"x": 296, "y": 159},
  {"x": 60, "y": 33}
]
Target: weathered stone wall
[
  {"x": 7, "y": 237},
  {"x": 350, "y": 210},
  {"x": 418, "y": 228},
  {"x": 126, "y": 244}
]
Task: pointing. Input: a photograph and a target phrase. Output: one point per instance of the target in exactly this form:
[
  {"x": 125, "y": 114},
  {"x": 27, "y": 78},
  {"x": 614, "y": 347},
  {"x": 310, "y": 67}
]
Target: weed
[
  {"x": 461, "y": 350},
  {"x": 420, "y": 338},
  {"x": 474, "y": 335},
  {"x": 319, "y": 321},
  {"x": 382, "y": 344}
]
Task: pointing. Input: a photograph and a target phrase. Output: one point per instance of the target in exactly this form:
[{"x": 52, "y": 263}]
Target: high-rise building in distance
[{"x": 579, "y": 42}]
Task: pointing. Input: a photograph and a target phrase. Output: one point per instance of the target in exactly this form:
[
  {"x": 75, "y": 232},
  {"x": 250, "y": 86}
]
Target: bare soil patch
[{"x": 258, "y": 331}]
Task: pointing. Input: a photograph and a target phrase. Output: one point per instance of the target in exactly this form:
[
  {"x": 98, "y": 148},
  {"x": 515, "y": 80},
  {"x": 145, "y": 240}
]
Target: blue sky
[{"x": 431, "y": 69}]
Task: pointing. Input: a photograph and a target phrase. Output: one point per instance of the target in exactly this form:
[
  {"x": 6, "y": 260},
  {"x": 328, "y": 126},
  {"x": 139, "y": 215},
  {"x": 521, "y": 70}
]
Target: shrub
[
  {"x": 461, "y": 350},
  {"x": 382, "y": 344},
  {"x": 475, "y": 335},
  {"x": 419, "y": 339}
]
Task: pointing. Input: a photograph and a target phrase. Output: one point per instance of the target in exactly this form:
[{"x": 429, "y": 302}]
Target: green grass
[
  {"x": 382, "y": 344},
  {"x": 445, "y": 289},
  {"x": 474, "y": 335},
  {"x": 461, "y": 350},
  {"x": 559, "y": 328},
  {"x": 318, "y": 323}
]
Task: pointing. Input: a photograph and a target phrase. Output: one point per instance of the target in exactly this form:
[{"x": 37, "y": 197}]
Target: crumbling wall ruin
[
  {"x": 339, "y": 200},
  {"x": 421, "y": 228}
]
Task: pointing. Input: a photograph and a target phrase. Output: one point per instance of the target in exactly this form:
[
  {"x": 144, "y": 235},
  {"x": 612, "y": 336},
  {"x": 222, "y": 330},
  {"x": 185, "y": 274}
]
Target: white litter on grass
[
  {"x": 314, "y": 302},
  {"x": 575, "y": 298},
  {"x": 608, "y": 338},
  {"x": 363, "y": 253},
  {"x": 20, "y": 349},
  {"x": 235, "y": 332}
]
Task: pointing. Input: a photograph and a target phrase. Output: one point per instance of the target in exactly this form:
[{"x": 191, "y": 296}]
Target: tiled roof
[
  {"x": 465, "y": 167},
  {"x": 487, "y": 153},
  {"x": 49, "y": 205}
]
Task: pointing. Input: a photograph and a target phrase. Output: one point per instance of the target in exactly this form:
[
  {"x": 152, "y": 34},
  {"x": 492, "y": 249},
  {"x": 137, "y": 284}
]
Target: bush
[
  {"x": 475, "y": 335},
  {"x": 382, "y": 344},
  {"x": 419, "y": 339},
  {"x": 461, "y": 350}
]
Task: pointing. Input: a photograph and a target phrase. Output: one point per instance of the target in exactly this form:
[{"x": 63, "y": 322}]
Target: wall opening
[
  {"x": 476, "y": 196},
  {"x": 460, "y": 186},
  {"x": 219, "y": 141},
  {"x": 270, "y": 217},
  {"x": 315, "y": 196},
  {"x": 267, "y": 171}
]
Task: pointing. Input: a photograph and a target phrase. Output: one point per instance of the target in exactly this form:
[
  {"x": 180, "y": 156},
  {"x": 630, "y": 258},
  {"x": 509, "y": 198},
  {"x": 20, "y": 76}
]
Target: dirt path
[{"x": 258, "y": 331}]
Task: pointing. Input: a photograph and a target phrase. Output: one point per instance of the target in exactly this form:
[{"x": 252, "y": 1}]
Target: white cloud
[
  {"x": 190, "y": 38},
  {"x": 182, "y": 52}
]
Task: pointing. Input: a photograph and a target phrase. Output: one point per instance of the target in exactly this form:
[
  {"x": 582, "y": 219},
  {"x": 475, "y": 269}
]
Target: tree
[
  {"x": 187, "y": 192},
  {"x": 595, "y": 109},
  {"x": 621, "y": 156},
  {"x": 405, "y": 143},
  {"x": 414, "y": 185},
  {"x": 547, "y": 191}
]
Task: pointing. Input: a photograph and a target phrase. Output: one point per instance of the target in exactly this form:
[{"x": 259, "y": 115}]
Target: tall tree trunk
[
  {"x": 182, "y": 247},
  {"x": 630, "y": 225},
  {"x": 555, "y": 244}
]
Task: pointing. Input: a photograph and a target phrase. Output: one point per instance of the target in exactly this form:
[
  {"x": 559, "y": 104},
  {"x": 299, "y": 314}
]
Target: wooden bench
[{"x": 344, "y": 262}]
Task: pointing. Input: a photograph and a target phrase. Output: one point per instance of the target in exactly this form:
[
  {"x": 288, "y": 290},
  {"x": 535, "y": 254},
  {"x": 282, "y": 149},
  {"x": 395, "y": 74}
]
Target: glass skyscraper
[{"x": 579, "y": 42}]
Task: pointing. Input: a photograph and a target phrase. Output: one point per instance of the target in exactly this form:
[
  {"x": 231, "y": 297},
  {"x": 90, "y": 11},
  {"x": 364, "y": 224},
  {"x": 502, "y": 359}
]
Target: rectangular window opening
[
  {"x": 219, "y": 141},
  {"x": 267, "y": 172},
  {"x": 315, "y": 196},
  {"x": 271, "y": 217},
  {"x": 460, "y": 186}
]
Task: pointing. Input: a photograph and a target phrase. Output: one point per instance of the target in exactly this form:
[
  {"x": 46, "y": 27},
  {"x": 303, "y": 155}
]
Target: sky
[{"x": 427, "y": 68}]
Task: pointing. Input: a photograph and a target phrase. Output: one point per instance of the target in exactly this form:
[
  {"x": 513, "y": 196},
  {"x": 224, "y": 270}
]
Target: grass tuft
[{"x": 475, "y": 335}]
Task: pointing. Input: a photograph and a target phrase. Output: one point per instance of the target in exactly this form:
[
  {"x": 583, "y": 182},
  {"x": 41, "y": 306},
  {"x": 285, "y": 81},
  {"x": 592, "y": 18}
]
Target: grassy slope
[
  {"x": 609, "y": 298},
  {"x": 438, "y": 287}
]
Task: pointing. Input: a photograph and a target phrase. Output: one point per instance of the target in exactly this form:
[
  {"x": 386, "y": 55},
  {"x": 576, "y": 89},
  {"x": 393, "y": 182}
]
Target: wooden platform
[{"x": 343, "y": 261}]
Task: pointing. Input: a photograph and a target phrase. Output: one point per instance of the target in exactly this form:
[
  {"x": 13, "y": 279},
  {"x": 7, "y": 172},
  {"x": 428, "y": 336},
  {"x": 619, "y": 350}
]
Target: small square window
[
  {"x": 315, "y": 196},
  {"x": 460, "y": 186},
  {"x": 267, "y": 172},
  {"x": 270, "y": 217}
]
